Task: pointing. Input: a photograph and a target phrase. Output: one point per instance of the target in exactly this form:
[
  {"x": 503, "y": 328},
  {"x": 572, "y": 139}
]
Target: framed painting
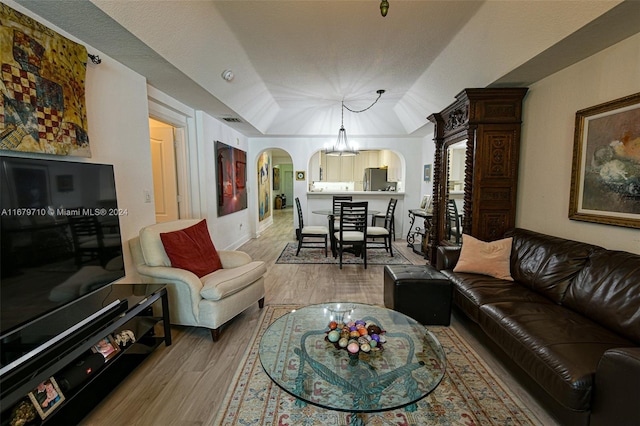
[
  {"x": 276, "y": 179},
  {"x": 264, "y": 186},
  {"x": 427, "y": 172},
  {"x": 605, "y": 178},
  {"x": 231, "y": 178}
]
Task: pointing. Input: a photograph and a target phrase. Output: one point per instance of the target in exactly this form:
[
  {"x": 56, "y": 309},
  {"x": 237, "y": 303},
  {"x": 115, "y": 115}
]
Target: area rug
[
  {"x": 316, "y": 255},
  {"x": 470, "y": 394}
]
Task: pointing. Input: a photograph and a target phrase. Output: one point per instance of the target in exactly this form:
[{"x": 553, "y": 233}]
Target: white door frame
[{"x": 167, "y": 110}]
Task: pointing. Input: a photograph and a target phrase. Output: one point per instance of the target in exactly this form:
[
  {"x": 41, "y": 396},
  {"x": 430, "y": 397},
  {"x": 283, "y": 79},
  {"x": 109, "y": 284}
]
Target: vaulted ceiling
[{"x": 295, "y": 61}]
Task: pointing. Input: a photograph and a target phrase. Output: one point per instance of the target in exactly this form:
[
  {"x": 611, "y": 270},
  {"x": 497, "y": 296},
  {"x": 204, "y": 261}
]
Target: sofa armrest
[
  {"x": 616, "y": 390},
  {"x": 233, "y": 258},
  {"x": 447, "y": 257}
]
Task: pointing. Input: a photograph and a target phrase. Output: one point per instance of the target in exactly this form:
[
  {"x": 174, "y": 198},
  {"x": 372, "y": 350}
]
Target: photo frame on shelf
[
  {"x": 426, "y": 202},
  {"x": 605, "y": 178},
  {"x": 107, "y": 347},
  {"x": 46, "y": 397},
  {"x": 427, "y": 172}
]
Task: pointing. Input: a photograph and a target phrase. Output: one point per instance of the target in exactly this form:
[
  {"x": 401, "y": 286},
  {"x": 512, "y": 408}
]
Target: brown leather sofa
[{"x": 570, "y": 320}]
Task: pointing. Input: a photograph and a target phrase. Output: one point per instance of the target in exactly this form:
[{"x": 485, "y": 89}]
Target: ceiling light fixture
[
  {"x": 384, "y": 7},
  {"x": 342, "y": 147}
]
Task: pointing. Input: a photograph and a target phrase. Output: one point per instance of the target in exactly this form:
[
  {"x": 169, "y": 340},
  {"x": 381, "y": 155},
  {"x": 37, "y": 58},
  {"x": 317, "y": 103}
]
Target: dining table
[{"x": 331, "y": 217}]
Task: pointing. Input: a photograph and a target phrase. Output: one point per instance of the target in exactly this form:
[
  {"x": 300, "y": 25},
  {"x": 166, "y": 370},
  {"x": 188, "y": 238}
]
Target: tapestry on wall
[
  {"x": 264, "y": 187},
  {"x": 231, "y": 168},
  {"x": 42, "y": 108}
]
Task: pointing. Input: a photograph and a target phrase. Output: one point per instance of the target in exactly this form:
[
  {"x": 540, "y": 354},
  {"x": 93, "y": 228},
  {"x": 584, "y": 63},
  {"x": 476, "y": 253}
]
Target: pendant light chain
[{"x": 380, "y": 92}]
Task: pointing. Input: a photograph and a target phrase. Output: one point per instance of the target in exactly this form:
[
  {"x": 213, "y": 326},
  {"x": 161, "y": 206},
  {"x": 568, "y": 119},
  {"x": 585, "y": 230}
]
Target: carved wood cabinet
[{"x": 485, "y": 124}]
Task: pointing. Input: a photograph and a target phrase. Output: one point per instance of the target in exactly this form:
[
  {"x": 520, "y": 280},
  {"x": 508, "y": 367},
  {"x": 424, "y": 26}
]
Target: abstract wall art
[
  {"x": 264, "y": 186},
  {"x": 231, "y": 167},
  {"x": 42, "y": 102}
]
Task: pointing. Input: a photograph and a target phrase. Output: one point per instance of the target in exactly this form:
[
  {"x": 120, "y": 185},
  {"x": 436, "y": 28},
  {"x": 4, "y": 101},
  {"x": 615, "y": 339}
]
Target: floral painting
[
  {"x": 231, "y": 164},
  {"x": 606, "y": 169},
  {"x": 42, "y": 85}
]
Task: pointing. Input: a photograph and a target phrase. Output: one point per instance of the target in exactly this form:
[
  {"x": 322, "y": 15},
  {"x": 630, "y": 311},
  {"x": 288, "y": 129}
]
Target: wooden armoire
[{"x": 483, "y": 128}]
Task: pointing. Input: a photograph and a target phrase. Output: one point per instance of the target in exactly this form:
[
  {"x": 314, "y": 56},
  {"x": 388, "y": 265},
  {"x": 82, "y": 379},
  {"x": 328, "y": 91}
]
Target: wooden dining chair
[
  {"x": 353, "y": 229},
  {"x": 309, "y": 232},
  {"x": 381, "y": 216},
  {"x": 453, "y": 222},
  {"x": 337, "y": 202},
  {"x": 385, "y": 232}
]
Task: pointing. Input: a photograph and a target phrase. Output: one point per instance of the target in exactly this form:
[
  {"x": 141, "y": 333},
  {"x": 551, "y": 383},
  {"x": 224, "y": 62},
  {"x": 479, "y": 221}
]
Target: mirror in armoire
[{"x": 454, "y": 191}]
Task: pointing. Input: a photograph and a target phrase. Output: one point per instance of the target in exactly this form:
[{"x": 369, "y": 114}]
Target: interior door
[{"x": 165, "y": 188}]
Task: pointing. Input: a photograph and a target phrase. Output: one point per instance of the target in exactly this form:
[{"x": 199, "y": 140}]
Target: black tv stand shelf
[{"x": 141, "y": 308}]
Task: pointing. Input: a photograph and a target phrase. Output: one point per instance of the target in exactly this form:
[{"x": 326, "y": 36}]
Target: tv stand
[{"x": 49, "y": 346}]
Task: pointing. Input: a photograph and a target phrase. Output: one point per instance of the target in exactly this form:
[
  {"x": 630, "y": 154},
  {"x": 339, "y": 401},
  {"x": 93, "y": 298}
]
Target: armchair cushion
[
  {"x": 191, "y": 248},
  {"x": 224, "y": 282}
]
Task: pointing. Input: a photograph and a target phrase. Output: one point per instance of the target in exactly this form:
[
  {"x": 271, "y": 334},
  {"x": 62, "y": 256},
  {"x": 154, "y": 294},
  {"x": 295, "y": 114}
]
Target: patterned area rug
[
  {"x": 470, "y": 394},
  {"x": 313, "y": 255}
]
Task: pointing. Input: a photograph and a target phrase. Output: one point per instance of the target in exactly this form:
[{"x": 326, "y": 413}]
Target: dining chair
[
  {"x": 382, "y": 216},
  {"x": 453, "y": 221},
  {"x": 353, "y": 229},
  {"x": 385, "y": 232},
  {"x": 337, "y": 202},
  {"x": 310, "y": 232}
]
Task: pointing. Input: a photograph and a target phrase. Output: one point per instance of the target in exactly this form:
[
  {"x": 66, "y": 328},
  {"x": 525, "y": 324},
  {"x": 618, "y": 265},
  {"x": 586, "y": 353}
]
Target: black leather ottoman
[{"x": 421, "y": 292}]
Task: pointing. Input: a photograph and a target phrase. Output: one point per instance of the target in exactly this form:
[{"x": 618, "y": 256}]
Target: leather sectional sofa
[{"x": 570, "y": 320}]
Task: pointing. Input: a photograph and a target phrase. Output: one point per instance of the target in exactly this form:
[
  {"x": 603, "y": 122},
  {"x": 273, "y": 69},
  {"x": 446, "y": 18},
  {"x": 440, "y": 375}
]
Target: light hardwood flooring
[{"x": 185, "y": 383}]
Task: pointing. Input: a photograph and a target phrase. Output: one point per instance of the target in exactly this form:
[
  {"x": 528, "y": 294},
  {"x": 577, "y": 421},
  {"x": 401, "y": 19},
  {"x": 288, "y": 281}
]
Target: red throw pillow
[{"x": 192, "y": 249}]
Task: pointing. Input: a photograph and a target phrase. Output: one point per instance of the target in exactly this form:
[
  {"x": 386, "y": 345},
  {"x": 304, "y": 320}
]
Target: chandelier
[{"x": 342, "y": 148}]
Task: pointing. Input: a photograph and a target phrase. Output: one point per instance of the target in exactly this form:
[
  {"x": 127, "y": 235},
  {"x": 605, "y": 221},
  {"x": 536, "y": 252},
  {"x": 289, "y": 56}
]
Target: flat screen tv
[{"x": 60, "y": 235}]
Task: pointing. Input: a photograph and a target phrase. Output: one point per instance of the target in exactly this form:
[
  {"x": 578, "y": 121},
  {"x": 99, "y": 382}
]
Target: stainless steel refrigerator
[{"x": 375, "y": 179}]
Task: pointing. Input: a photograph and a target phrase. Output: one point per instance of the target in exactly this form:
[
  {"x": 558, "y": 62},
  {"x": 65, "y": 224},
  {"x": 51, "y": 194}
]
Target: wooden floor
[{"x": 185, "y": 383}]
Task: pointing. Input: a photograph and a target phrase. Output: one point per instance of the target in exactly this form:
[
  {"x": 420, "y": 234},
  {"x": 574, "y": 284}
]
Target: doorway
[{"x": 163, "y": 162}]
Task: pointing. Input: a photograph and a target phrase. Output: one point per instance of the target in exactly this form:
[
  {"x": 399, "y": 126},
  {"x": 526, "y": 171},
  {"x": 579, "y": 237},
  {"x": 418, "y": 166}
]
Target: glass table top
[{"x": 296, "y": 353}]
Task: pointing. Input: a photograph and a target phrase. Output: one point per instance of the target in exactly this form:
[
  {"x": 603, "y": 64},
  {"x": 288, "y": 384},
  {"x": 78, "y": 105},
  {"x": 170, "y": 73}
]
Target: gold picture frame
[
  {"x": 605, "y": 177},
  {"x": 300, "y": 175},
  {"x": 46, "y": 397}
]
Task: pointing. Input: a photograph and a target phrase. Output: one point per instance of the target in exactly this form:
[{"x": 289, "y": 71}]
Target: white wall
[
  {"x": 230, "y": 231},
  {"x": 547, "y": 143}
]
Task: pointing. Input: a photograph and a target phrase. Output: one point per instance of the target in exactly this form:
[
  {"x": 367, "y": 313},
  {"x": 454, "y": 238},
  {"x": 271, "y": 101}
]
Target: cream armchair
[{"x": 209, "y": 301}]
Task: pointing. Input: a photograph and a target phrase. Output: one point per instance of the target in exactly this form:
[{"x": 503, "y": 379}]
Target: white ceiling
[{"x": 295, "y": 61}]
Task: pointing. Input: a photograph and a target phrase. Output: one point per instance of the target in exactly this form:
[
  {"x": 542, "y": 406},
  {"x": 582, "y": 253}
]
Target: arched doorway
[{"x": 275, "y": 194}]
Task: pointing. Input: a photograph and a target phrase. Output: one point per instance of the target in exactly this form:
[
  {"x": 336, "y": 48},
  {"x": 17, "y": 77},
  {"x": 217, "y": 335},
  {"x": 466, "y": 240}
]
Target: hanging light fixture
[
  {"x": 342, "y": 148},
  {"x": 384, "y": 7}
]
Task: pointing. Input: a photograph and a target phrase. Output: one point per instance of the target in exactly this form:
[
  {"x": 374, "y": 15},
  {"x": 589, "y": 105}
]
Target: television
[{"x": 59, "y": 234}]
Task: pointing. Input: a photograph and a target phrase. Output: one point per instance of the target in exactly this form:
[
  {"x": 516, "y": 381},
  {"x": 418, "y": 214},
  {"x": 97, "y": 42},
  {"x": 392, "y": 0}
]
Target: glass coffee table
[{"x": 405, "y": 364}]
